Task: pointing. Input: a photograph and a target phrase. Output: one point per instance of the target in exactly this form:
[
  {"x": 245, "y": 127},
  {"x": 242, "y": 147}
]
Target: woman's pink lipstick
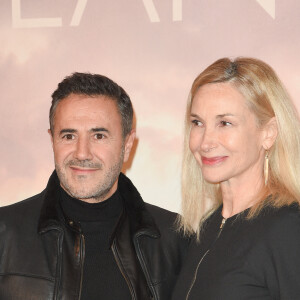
[{"x": 212, "y": 160}]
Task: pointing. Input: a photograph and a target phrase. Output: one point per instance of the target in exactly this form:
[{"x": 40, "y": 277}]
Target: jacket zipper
[
  {"x": 117, "y": 259},
  {"x": 82, "y": 255},
  {"x": 200, "y": 261}
]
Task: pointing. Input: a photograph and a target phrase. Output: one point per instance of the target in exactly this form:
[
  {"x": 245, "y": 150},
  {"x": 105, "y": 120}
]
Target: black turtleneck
[{"x": 102, "y": 278}]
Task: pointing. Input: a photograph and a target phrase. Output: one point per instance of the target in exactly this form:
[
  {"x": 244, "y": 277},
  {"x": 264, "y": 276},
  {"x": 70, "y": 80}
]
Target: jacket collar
[
  {"x": 49, "y": 216},
  {"x": 141, "y": 221}
]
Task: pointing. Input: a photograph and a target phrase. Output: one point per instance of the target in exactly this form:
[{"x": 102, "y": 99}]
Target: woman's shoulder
[
  {"x": 279, "y": 223},
  {"x": 284, "y": 213}
]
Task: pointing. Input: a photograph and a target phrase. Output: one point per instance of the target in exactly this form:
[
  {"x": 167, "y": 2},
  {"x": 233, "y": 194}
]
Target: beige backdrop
[{"x": 153, "y": 48}]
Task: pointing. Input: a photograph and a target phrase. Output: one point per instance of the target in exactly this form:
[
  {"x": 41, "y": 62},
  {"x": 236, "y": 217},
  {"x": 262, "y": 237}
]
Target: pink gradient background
[{"x": 155, "y": 62}]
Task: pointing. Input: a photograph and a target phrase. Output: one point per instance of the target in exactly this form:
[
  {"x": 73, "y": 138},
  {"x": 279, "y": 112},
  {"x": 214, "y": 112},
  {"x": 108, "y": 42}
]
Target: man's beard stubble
[{"x": 100, "y": 191}]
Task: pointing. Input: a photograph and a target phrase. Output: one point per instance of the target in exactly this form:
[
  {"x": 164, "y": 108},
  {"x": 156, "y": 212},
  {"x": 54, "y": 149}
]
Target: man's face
[{"x": 89, "y": 149}]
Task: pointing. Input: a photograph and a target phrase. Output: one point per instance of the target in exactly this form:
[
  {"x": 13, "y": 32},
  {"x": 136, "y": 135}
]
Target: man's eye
[
  {"x": 68, "y": 136},
  {"x": 99, "y": 136}
]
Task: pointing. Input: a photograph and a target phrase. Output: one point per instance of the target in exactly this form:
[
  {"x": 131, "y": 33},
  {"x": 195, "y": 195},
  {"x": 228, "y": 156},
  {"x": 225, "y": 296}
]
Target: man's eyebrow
[
  {"x": 67, "y": 130},
  {"x": 99, "y": 129},
  {"x": 96, "y": 129}
]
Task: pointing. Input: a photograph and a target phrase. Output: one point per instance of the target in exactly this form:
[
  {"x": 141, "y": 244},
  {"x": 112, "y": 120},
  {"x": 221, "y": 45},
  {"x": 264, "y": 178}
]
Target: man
[{"x": 88, "y": 235}]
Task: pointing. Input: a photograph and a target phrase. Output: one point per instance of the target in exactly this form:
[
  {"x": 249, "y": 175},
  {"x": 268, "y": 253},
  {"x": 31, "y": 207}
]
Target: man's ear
[
  {"x": 51, "y": 136},
  {"x": 129, "y": 140},
  {"x": 270, "y": 133}
]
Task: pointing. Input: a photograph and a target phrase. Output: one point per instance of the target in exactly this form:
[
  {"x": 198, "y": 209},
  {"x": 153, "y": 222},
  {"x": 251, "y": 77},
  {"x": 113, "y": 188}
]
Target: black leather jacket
[{"x": 42, "y": 257}]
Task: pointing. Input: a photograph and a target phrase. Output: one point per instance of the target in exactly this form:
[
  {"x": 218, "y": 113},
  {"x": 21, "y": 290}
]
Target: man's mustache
[{"x": 83, "y": 164}]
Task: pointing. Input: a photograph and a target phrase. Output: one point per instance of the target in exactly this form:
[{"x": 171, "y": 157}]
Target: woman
[{"x": 242, "y": 168}]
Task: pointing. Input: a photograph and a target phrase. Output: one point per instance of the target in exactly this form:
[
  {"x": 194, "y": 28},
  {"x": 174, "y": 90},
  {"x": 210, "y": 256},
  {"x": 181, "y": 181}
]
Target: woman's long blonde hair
[{"x": 266, "y": 97}]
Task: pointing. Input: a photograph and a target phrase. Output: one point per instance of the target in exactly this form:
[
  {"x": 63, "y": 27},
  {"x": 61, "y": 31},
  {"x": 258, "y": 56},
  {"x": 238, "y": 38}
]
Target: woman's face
[{"x": 225, "y": 137}]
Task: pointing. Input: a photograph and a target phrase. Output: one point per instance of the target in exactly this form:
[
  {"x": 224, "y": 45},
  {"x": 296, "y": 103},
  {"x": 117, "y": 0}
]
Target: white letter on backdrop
[
  {"x": 151, "y": 10},
  {"x": 18, "y": 22},
  {"x": 78, "y": 12},
  {"x": 177, "y": 10}
]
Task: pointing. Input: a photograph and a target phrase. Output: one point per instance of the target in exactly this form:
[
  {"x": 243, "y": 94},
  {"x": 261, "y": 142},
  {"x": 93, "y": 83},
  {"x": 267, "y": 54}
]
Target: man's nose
[{"x": 83, "y": 150}]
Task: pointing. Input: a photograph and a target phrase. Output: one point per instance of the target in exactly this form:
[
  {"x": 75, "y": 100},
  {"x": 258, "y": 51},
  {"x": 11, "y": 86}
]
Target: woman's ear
[{"x": 270, "y": 133}]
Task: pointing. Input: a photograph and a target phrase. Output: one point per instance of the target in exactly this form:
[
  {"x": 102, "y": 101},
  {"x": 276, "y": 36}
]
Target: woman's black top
[{"x": 246, "y": 259}]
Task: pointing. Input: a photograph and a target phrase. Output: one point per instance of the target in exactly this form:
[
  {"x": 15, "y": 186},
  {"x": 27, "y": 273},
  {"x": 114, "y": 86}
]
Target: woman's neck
[{"x": 239, "y": 196}]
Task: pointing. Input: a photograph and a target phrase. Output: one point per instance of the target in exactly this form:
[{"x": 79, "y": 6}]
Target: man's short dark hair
[{"x": 93, "y": 85}]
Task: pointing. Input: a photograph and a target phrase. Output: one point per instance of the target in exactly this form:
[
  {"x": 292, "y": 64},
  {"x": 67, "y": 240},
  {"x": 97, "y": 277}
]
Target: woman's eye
[
  {"x": 225, "y": 123},
  {"x": 197, "y": 123}
]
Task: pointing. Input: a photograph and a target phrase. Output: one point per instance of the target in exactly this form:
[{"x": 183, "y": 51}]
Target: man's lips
[
  {"x": 83, "y": 170},
  {"x": 213, "y": 160}
]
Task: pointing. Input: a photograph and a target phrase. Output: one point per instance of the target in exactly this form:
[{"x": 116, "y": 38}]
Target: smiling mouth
[
  {"x": 83, "y": 170},
  {"x": 211, "y": 161}
]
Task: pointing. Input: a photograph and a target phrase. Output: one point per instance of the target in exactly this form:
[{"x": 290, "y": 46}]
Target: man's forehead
[
  {"x": 74, "y": 104},
  {"x": 93, "y": 112},
  {"x": 82, "y": 99}
]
